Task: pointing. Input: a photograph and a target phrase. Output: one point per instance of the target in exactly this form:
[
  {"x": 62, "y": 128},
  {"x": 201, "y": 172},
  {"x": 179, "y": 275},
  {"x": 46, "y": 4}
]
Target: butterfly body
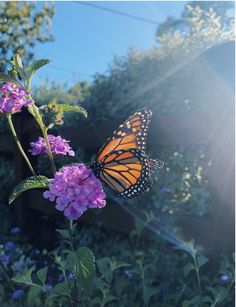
[{"x": 122, "y": 162}]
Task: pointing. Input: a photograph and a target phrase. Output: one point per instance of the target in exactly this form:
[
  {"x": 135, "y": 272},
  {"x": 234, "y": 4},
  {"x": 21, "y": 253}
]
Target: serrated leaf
[
  {"x": 25, "y": 277},
  {"x": 201, "y": 260},
  {"x": 33, "y": 293},
  {"x": 34, "y": 182},
  {"x": 188, "y": 268},
  {"x": 42, "y": 274},
  {"x": 86, "y": 266},
  {"x": 69, "y": 108}
]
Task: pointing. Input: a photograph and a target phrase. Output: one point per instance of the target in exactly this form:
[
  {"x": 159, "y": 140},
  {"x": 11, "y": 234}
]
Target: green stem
[
  {"x": 35, "y": 112},
  {"x": 19, "y": 144},
  {"x": 198, "y": 276},
  {"x": 75, "y": 294}
]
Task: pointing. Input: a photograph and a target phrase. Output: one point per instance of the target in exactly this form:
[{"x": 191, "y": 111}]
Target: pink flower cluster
[
  {"x": 13, "y": 98},
  {"x": 59, "y": 146},
  {"x": 75, "y": 189}
]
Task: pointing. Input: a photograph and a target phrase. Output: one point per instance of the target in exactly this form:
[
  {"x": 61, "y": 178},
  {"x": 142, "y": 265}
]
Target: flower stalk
[
  {"x": 8, "y": 115},
  {"x": 33, "y": 109}
]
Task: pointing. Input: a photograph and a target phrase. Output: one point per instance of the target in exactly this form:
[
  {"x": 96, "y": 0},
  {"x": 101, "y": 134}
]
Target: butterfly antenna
[{"x": 86, "y": 177}]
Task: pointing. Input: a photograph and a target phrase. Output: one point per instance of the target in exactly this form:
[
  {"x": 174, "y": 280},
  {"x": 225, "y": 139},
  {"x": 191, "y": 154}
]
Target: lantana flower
[
  {"x": 12, "y": 98},
  {"x": 59, "y": 146},
  {"x": 75, "y": 189}
]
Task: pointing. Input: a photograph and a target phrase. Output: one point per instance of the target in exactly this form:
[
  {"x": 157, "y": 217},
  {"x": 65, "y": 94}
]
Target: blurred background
[{"x": 113, "y": 58}]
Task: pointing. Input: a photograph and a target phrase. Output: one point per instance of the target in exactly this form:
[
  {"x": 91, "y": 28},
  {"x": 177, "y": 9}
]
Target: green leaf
[
  {"x": 108, "y": 299},
  {"x": 186, "y": 303},
  {"x": 188, "y": 268},
  {"x": 148, "y": 293},
  {"x": 25, "y": 277},
  {"x": 33, "y": 293},
  {"x": 201, "y": 260},
  {"x": 42, "y": 274},
  {"x": 18, "y": 66},
  {"x": 69, "y": 108},
  {"x": 104, "y": 266},
  {"x": 34, "y": 182},
  {"x": 17, "y": 62},
  {"x": 86, "y": 266},
  {"x": 61, "y": 289},
  {"x": 73, "y": 262},
  {"x": 8, "y": 78},
  {"x": 64, "y": 233},
  {"x": 34, "y": 67}
]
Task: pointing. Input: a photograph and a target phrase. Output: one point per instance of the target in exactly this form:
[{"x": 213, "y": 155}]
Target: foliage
[
  {"x": 22, "y": 26},
  {"x": 202, "y": 25},
  {"x": 149, "y": 272}
]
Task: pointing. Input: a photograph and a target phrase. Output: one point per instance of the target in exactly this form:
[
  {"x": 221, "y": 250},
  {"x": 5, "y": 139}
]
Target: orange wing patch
[{"x": 130, "y": 135}]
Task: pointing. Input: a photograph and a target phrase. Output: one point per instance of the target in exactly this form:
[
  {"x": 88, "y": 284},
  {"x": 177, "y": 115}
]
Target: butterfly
[{"x": 122, "y": 162}]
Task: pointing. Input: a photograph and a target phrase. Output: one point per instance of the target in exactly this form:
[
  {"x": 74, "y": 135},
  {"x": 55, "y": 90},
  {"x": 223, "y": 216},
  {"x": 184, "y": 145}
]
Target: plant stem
[
  {"x": 198, "y": 277},
  {"x": 75, "y": 294},
  {"x": 35, "y": 112},
  {"x": 19, "y": 144}
]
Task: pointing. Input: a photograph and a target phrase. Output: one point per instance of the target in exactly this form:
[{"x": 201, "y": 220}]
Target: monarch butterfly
[{"x": 122, "y": 162}]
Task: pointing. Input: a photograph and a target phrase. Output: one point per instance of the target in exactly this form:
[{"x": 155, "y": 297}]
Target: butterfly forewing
[{"x": 132, "y": 134}]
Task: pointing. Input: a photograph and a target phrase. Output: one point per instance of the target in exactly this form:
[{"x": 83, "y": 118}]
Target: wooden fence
[{"x": 212, "y": 128}]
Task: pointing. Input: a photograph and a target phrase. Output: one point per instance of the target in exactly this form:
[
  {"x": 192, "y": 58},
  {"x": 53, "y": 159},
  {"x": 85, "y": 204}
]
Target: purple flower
[
  {"x": 15, "y": 230},
  {"x": 9, "y": 246},
  {"x": 161, "y": 287},
  {"x": 70, "y": 276},
  {"x": 75, "y": 189},
  {"x": 48, "y": 287},
  {"x": 12, "y": 98},
  {"x": 59, "y": 146},
  {"x": 165, "y": 190},
  {"x": 128, "y": 274},
  {"x": 60, "y": 277},
  {"x": 224, "y": 278},
  {"x": 17, "y": 293}
]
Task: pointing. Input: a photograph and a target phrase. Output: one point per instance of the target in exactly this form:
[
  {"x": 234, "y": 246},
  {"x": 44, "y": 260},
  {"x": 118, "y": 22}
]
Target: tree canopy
[{"x": 22, "y": 26}]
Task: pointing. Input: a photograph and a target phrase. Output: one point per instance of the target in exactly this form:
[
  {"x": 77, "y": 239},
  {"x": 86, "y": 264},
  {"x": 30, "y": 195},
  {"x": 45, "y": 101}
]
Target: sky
[{"x": 87, "y": 38}]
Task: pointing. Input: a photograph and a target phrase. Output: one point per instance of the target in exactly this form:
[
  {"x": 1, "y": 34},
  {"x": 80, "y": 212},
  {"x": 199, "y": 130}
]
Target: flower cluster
[
  {"x": 17, "y": 293},
  {"x": 59, "y": 146},
  {"x": 15, "y": 230},
  {"x": 13, "y": 98},
  {"x": 75, "y": 188}
]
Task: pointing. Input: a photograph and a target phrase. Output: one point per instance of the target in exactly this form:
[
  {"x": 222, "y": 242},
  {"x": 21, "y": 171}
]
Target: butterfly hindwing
[
  {"x": 132, "y": 134},
  {"x": 154, "y": 165},
  {"x": 127, "y": 172}
]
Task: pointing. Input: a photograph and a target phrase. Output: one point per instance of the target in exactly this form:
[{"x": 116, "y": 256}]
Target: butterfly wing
[
  {"x": 132, "y": 134},
  {"x": 122, "y": 162},
  {"x": 127, "y": 172}
]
